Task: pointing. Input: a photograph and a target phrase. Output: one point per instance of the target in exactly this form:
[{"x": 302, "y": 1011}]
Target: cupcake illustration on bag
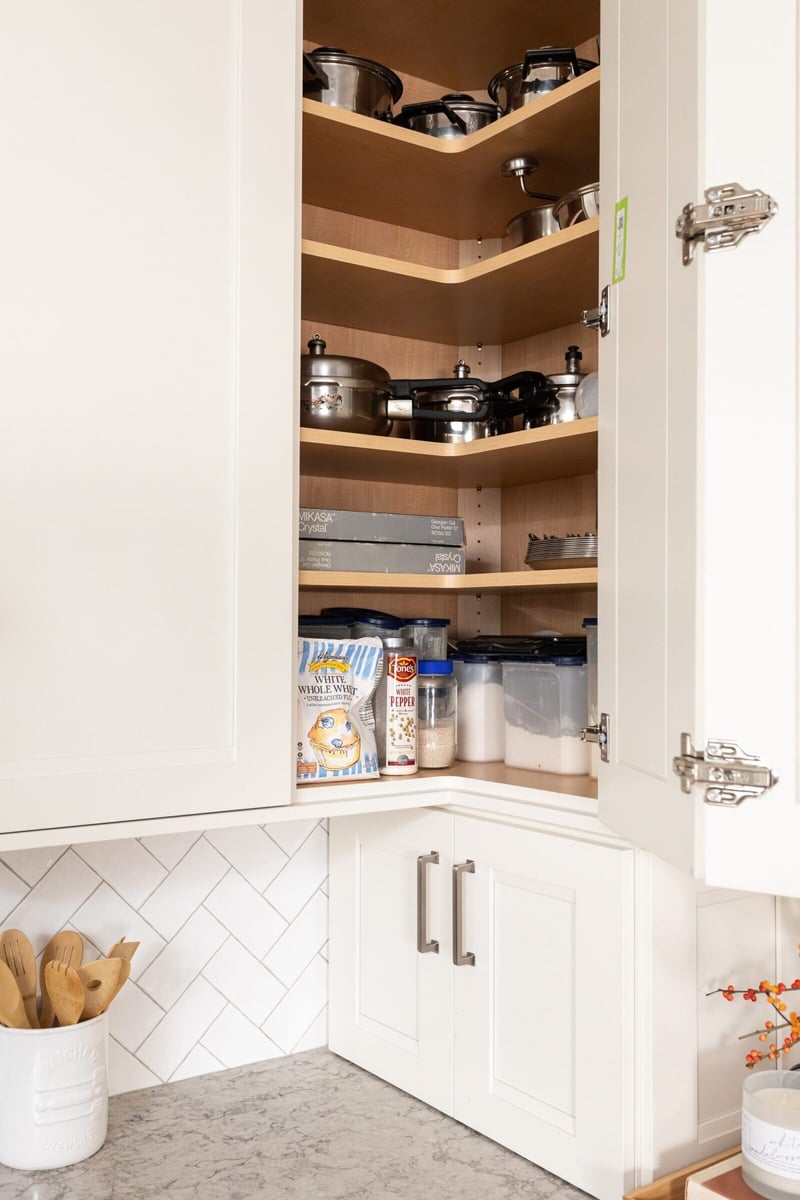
[{"x": 334, "y": 740}]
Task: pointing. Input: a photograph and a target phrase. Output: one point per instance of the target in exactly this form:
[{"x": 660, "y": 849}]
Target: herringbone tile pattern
[{"x": 232, "y": 965}]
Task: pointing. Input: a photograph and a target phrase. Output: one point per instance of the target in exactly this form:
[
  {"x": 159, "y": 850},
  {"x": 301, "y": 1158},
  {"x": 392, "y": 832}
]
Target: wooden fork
[
  {"x": 18, "y": 953},
  {"x": 67, "y": 948}
]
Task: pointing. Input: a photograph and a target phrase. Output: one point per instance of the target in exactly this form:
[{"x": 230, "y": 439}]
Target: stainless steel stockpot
[
  {"x": 345, "y": 81},
  {"x": 579, "y": 205},
  {"x": 540, "y": 71},
  {"x": 531, "y": 224},
  {"x": 454, "y": 116},
  {"x": 344, "y": 394}
]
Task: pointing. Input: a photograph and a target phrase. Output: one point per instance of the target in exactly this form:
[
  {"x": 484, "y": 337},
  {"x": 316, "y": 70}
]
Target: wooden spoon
[
  {"x": 12, "y": 1008},
  {"x": 65, "y": 991},
  {"x": 18, "y": 954},
  {"x": 123, "y": 949},
  {"x": 100, "y": 981},
  {"x": 65, "y": 947}
]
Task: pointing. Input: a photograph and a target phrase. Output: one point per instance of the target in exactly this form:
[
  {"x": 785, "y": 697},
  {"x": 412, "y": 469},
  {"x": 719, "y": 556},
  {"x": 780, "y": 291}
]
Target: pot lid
[
  {"x": 458, "y": 101},
  {"x": 336, "y": 366},
  {"x": 334, "y": 54},
  {"x": 545, "y": 56}
]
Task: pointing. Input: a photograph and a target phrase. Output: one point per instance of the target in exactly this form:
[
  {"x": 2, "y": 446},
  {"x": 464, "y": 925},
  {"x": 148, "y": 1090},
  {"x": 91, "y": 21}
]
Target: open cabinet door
[{"x": 698, "y": 498}]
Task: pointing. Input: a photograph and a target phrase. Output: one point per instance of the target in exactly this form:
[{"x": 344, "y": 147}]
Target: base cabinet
[{"x": 513, "y": 1023}]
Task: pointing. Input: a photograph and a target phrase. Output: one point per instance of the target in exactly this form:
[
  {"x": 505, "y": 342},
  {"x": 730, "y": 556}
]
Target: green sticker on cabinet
[{"x": 620, "y": 240}]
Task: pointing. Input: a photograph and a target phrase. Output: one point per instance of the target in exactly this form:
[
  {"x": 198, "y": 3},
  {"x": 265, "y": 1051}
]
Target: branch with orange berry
[{"x": 772, "y": 993}]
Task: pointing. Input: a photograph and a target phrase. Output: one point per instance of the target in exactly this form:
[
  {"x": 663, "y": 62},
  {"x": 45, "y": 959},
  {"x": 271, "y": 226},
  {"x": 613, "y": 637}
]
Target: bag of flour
[{"x": 335, "y": 736}]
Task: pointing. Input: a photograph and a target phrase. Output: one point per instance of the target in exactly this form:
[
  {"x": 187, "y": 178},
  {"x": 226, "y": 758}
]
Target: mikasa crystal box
[
  {"x": 342, "y": 525},
  {"x": 375, "y": 556}
]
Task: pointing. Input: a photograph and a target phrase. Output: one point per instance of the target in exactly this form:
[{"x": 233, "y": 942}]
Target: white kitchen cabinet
[
  {"x": 149, "y": 376},
  {"x": 521, "y": 1040}
]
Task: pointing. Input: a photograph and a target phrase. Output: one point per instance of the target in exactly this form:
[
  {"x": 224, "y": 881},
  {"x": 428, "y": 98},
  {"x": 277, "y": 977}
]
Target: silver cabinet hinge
[
  {"x": 598, "y": 735},
  {"x": 728, "y": 774},
  {"x": 598, "y": 318},
  {"x": 729, "y": 214}
]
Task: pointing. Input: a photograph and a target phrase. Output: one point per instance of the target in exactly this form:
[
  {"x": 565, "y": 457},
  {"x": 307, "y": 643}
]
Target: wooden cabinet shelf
[
  {"x": 515, "y": 294},
  {"x": 451, "y": 187},
  {"x": 459, "y": 43},
  {"x": 552, "y": 452},
  {"x": 502, "y": 582}
]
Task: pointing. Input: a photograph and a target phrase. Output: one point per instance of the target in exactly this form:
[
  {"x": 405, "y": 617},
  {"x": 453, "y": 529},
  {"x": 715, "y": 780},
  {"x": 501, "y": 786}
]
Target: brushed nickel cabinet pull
[
  {"x": 467, "y": 958},
  {"x": 423, "y": 945}
]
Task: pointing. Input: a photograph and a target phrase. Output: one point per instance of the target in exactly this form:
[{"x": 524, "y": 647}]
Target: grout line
[{"x": 31, "y": 886}]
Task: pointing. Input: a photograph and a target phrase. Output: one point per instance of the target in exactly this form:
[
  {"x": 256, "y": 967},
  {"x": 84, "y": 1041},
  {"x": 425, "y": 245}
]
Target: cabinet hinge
[
  {"x": 598, "y": 735},
  {"x": 728, "y": 774},
  {"x": 729, "y": 214},
  {"x": 598, "y": 318}
]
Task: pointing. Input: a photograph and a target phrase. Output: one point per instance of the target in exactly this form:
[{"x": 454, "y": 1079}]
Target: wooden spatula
[
  {"x": 20, "y": 959},
  {"x": 65, "y": 991},
  {"x": 123, "y": 949},
  {"x": 66, "y": 947},
  {"x": 100, "y": 981},
  {"x": 12, "y": 1008}
]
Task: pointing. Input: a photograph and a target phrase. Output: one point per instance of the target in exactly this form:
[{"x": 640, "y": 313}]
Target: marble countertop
[{"x": 308, "y": 1127}]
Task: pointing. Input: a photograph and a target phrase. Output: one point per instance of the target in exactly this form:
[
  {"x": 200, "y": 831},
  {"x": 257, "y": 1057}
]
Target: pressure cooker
[
  {"x": 558, "y": 406},
  {"x": 454, "y": 116},
  {"x": 540, "y": 71}
]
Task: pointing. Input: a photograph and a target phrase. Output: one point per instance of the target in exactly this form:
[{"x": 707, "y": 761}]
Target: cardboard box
[
  {"x": 384, "y": 559},
  {"x": 342, "y": 525}
]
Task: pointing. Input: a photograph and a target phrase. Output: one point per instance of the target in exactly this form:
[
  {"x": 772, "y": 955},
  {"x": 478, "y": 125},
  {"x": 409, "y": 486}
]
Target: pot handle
[
  {"x": 539, "y": 58},
  {"x": 481, "y": 413},
  {"x": 526, "y": 381},
  {"x": 409, "y": 387},
  {"x": 317, "y": 80},
  {"x": 434, "y": 106}
]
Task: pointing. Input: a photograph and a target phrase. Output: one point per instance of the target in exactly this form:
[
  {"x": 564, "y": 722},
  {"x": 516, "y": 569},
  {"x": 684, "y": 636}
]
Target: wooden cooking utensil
[
  {"x": 18, "y": 954},
  {"x": 65, "y": 991},
  {"x": 124, "y": 972},
  {"x": 66, "y": 947},
  {"x": 123, "y": 949},
  {"x": 100, "y": 981},
  {"x": 12, "y": 1008}
]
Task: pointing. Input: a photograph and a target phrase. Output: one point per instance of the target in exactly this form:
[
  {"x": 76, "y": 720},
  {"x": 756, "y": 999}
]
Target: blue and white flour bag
[{"x": 335, "y": 735}]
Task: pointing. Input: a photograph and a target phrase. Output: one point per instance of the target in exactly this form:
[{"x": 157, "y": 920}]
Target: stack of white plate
[{"x": 552, "y": 552}]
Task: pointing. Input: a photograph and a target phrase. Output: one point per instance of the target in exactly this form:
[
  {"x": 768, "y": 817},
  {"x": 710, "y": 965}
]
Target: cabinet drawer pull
[
  {"x": 467, "y": 958},
  {"x": 423, "y": 945}
]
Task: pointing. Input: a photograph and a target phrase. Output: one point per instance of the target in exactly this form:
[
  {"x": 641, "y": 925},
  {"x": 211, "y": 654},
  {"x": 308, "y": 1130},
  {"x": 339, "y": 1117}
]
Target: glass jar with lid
[{"x": 436, "y": 714}]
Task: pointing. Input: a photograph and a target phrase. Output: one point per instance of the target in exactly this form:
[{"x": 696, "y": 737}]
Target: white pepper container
[
  {"x": 395, "y": 706},
  {"x": 480, "y": 720},
  {"x": 436, "y": 721}
]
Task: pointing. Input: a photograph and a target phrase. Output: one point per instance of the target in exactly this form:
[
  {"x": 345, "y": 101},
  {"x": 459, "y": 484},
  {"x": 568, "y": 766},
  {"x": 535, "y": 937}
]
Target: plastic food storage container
[
  {"x": 382, "y": 627},
  {"x": 428, "y": 635},
  {"x": 545, "y": 711},
  {"x": 481, "y": 723},
  {"x": 324, "y": 627},
  {"x": 590, "y": 625},
  {"x": 436, "y": 714}
]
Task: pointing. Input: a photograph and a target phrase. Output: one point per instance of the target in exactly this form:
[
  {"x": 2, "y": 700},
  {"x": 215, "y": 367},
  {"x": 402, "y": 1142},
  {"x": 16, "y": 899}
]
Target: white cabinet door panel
[
  {"x": 542, "y": 1016},
  {"x": 148, "y": 503},
  {"x": 390, "y": 1007}
]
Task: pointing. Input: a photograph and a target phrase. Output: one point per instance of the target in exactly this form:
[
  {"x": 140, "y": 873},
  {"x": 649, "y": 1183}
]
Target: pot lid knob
[
  {"x": 317, "y": 345},
  {"x": 462, "y": 96},
  {"x": 573, "y": 356},
  {"x": 461, "y": 370}
]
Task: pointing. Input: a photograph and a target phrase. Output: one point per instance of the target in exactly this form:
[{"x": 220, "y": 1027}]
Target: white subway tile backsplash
[
  {"x": 218, "y": 964},
  {"x": 169, "y": 848},
  {"x": 186, "y": 887},
  {"x": 301, "y": 877},
  {"x": 300, "y": 1007},
  {"x": 181, "y": 1028},
  {"x": 244, "y": 981},
  {"x": 133, "y": 1016},
  {"x": 51, "y": 902},
  {"x": 31, "y": 865},
  {"x": 105, "y": 918},
  {"x": 235, "y": 1041},
  {"x": 252, "y": 852},
  {"x": 126, "y": 866},
  {"x": 126, "y": 1073},
  {"x": 183, "y": 958},
  {"x": 248, "y": 917},
  {"x": 289, "y": 957}
]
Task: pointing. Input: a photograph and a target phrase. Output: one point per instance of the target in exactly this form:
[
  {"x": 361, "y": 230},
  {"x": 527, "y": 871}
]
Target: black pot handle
[
  {"x": 526, "y": 381},
  {"x": 408, "y": 388},
  {"x": 433, "y": 106},
  {"x": 540, "y": 58},
  {"x": 317, "y": 80}
]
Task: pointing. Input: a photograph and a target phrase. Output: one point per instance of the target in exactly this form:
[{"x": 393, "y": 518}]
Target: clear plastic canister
[
  {"x": 480, "y": 723},
  {"x": 436, "y": 714},
  {"x": 395, "y": 708},
  {"x": 428, "y": 635},
  {"x": 382, "y": 627},
  {"x": 329, "y": 628},
  {"x": 545, "y": 711},
  {"x": 590, "y": 625}
]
